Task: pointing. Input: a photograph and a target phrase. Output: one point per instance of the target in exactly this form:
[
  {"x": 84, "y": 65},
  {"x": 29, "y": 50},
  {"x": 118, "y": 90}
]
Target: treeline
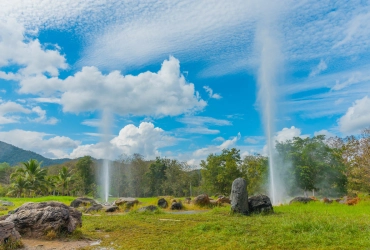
[{"x": 325, "y": 167}]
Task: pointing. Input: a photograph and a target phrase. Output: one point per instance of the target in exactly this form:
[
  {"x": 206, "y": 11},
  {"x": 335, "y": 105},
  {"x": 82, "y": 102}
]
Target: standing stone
[
  {"x": 239, "y": 196},
  {"x": 8, "y": 232}
]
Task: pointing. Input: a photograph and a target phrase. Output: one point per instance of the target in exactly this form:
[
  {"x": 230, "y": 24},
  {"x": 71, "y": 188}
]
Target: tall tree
[
  {"x": 64, "y": 178},
  {"x": 219, "y": 171},
  {"x": 85, "y": 171},
  {"x": 254, "y": 169}
]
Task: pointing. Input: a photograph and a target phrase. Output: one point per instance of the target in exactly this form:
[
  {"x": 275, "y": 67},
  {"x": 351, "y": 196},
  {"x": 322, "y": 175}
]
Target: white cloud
[
  {"x": 219, "y": 139},
  {"x": 288, "y": 134},
  {"x": 144, "y": 139},
  {"x": 198, "y": 124},
  {"x": 198, "y": 130},
  {"x": 18, "y": 49},
  {"x": 356, "y": 118},
  {"x": 42, "y": 118},
  {"x": 325, "y": 132},
  {"x": 157, "y": 94},
  {"x": 202, "y": 153},
  {"x": 211, "y": 94},
  {"x": 356, "y": 77},
  {"x": 53, "y": 147},
  {"x": 253, "y": 139},
  {"x": 319, "y": 68},
  {"x": 92, "y": 123}
]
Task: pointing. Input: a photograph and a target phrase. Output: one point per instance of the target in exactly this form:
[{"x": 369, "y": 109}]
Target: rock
[
  {"x": 327, "y": 200},
  {"x": 162, "y": 203},
  {"x": 344, "y": 199},
  {"x": 201, "y": 200},
  {"x": 150, "y": 208},
  {"x": 222, "y": 199},
  {"x": 111, "y": 209},
  {"x": 214, "y": 203},
  {"x": 239, "y": 196},
  {"x": 187, "y": 200},
  {"x": 83, "y": 201},
  {"x": 260, "y": 204},
  {"x": 128, "y": 202},
  {"x": 36, "y": 219},
  {"x": 176, "y": 206},
  {"x": 8, "y": 232},
  {"x": 6, "y": 203},
  {"x": 301, "y": 200},
  {"x": 352, "y": 201},
  {"x": 94, "y": 208}
]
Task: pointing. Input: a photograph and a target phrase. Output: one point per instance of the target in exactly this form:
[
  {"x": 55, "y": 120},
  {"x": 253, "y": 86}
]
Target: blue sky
[{"x": 180, "y": 79}]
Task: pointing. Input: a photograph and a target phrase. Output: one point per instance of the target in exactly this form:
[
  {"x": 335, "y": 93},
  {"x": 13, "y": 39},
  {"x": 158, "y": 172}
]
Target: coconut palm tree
[
  {"x": 18, "y": 186},
  {"x": 64, "y": 179},
  {"x": 33, "y": 174}
]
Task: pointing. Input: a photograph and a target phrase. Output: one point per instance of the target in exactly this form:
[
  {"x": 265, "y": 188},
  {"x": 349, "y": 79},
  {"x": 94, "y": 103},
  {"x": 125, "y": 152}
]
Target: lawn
[{"x": 311, "y": 226}]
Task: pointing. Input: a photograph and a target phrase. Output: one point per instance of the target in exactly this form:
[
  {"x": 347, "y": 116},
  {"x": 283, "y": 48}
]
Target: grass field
[{"x": 310, "y": 226}]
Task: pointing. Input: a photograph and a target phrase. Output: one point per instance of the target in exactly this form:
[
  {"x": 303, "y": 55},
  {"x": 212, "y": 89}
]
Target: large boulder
[
  {"x": 83, "y": 201},
  {"x": 176, "y": 206},
  {"x": 128, "y": 202},
  {"x": 239, "y": 196},
  {"x": 301, "y": 200},
  {"x": 260, "y": 204},
  {"x": 94, "y": 208},
  {"x": 8, "y": 232},
  {"x": 201, "y": 200},
  {"x": 162, "y": 203},
  {"x": 150, "y": 208},
  {"x": 36, "y": 219},
  {"x": 222, "y": 199},
  {"x": 111, "y": 209}
]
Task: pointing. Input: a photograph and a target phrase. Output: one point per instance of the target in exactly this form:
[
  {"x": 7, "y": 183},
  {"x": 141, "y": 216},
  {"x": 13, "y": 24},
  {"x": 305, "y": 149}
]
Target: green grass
[{"x": 298, "y": 226}]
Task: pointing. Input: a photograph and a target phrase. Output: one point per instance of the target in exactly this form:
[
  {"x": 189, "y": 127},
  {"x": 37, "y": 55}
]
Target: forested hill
[{"x": 14, "y": 155}]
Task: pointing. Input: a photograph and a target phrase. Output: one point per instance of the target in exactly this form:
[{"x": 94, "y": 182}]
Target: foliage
[
  {"x": 314, "y": 166},
  {"x": 86, "y": 176},
  {"x": 254, "y": 169},
  {"x": 219, "y": 171}
]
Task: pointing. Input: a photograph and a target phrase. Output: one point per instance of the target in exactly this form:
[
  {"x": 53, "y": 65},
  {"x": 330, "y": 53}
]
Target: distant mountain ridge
[{"x": 14, "y": 155}]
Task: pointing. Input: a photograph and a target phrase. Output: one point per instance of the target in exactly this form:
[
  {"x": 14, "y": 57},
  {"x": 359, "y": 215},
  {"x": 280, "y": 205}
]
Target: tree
[
  {"x": 18, "y": 186},
  {"x": 33, "y": 174},
  {"x": 86, "y": 174},
  {"x": 219, "y": 171},
  {"x": 64, "y": 178},
  {"x": 156, "y": 177},
  {"x": 314, "y": 166},
  {"x": 254, "y": 169}
]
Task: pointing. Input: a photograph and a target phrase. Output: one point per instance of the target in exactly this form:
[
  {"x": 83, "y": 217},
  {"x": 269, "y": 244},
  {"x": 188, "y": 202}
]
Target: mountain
[{"x": 14, "y": 155}]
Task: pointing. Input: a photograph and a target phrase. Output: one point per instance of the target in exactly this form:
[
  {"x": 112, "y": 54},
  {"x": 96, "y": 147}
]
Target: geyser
[
  {"x": 270, "y": 64},
  {"x": 106, "y": 122}
]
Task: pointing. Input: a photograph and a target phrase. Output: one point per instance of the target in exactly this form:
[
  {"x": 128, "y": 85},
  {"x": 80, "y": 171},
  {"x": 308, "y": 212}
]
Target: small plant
[
  {"x": 51, "y": 235},
  {"x": 11, "y": 243}
]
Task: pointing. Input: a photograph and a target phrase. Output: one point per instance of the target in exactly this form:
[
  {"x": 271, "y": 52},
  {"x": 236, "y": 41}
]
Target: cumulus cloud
[
  {"x": 288, "y": 134},
  {"x": 356, "y": 118},
  {"x": 17, "y": 49},
  {"x": 325, "y": 132},
  {"x": 41, "y": 143},
  {"x": 156, "y": 94},
  {"x": 319, "y": 68},
  {"x": 211, "y": 94},
  {"x": 204, "y": 152},
  {"x": 144, "y": 139}
]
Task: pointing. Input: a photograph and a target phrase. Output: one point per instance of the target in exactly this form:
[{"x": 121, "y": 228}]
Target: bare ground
[{"x": 33, "y": 244}]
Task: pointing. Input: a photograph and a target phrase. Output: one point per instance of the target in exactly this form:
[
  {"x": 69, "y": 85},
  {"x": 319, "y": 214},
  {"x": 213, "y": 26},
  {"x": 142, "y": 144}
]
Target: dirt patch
[{"x": 33, "y": 244}]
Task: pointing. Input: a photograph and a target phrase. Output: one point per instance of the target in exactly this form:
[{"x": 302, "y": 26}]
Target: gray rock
[
  {"x": 239, "y": 196},
  {"x": 162, "y": 203},
  {"x": 260, "y": 204},
  {"x": 150, "y": 208},
  {"x": 201, "y": 200},
  {"x": 176, "y": 206},
  {"x": 301, "y": 200},
  {"x": 126, "y": 202},
  {"x": 94, "y": 208},
  {"x": 8, "y": 232},
  {"x": 111, "y": 209},
  {"x": 36, "y": 219},
  {"x": 7, "y": 203},
  {"x": 83, "y": 201}
]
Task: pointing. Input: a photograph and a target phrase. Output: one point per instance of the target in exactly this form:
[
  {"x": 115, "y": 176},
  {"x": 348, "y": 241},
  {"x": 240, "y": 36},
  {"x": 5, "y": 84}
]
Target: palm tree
[
  {"x": 64, "y": 179},
  {"x": 33, "y": 174},
  {"x": 19, "y": 184}
]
